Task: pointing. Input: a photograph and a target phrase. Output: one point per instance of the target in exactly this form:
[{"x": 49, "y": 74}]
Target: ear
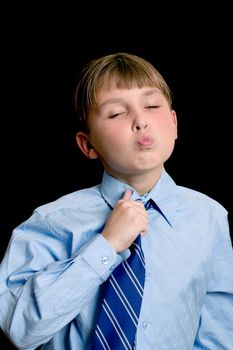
[
  {"x": 84, "y": 144},
  {"x": 174, "y": 119}
]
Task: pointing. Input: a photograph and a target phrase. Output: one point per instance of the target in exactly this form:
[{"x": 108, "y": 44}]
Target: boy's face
[{"x": 132, "y": 131}]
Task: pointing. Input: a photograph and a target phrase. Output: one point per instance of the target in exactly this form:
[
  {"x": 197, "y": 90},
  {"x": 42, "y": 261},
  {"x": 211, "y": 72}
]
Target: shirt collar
[{"x": 163, "y": 194}]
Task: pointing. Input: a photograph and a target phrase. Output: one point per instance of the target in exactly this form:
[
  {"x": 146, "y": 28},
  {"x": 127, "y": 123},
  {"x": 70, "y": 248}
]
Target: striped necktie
[{"x": 121, "y": 304}]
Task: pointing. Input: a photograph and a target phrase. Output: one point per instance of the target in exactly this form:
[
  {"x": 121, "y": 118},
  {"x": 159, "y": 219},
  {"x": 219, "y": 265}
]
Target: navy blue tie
[{"x": 122, "y": 297}]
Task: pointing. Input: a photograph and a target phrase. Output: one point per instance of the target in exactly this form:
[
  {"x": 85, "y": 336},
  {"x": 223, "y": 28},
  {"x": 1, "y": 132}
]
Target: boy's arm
[
  {"x": 216, "y": 323},
  {"x": 41, "y": 288}
]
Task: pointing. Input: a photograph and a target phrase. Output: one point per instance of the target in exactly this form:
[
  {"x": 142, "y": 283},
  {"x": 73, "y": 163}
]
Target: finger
[{"x": 127, "y": 195}]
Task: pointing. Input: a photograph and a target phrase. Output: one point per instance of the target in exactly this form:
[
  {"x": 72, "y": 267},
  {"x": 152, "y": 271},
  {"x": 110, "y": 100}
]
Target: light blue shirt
[{"x": 56, "y": 261}]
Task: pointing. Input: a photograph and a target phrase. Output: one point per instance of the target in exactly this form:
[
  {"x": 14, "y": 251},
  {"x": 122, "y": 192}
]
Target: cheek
[
  {"x": 168, "y": 127},
  {"x": 103, "y": 139}
]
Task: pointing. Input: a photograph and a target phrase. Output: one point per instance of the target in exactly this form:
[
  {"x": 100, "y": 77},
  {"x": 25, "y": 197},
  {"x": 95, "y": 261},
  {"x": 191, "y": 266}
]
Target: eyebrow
[{"x": 114, "y": 100}]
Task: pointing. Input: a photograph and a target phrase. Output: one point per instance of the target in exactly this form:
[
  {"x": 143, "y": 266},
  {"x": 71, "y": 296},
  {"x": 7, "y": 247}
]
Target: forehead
[{"x": 114, "y": 95}]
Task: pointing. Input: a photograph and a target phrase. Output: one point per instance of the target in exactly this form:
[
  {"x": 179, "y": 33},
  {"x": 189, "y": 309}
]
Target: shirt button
[
  {"x": 147, "y": 276},
  {"x": 105, "y": 260},
  {"x": 112, "y": 267},
  {"x": 146, "y": 325}
]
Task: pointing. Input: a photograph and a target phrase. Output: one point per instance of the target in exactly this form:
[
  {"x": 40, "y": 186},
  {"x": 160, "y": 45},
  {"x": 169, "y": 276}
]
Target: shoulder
[
  {"x": 200, "y": 199},
  {"x": 69, "y": 216},
  {"x": 77, "y": 200},
  {"x": 206, "y": 212}
]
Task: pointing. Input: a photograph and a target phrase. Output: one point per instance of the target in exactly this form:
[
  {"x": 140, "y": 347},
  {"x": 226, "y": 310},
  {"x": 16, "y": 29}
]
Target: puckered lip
[{"x": 144, "y": 141}]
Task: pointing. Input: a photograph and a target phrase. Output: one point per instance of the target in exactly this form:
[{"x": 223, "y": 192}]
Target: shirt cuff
[{"x": 100, "y": 256}]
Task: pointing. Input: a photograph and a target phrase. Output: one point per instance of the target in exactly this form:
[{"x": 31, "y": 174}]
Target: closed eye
[
  {"x": 152, "y": 107},
  {"x": 116, "y": 115}
]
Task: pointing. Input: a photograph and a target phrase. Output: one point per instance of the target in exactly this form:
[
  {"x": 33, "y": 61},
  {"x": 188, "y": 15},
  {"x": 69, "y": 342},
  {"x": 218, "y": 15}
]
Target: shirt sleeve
[
  {"x": 216, "y": 323},
  {"x": 42, "y": 288}
]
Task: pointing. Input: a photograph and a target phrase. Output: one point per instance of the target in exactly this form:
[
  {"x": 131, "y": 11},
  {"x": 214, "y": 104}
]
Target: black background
[{"x": 43, "y": 50}]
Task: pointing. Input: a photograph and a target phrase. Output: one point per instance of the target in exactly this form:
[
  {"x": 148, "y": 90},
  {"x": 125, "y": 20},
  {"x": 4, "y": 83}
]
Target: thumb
[{"x": 127, "y": 195}]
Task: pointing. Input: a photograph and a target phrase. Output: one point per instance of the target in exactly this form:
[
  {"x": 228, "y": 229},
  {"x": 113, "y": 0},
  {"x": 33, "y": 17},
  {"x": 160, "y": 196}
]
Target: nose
[{"x": 139, "y": 125}]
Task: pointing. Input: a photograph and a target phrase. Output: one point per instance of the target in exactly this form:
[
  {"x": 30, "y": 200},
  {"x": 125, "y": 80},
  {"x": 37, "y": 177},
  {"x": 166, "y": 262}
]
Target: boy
[{"x": 57, "y": 261}]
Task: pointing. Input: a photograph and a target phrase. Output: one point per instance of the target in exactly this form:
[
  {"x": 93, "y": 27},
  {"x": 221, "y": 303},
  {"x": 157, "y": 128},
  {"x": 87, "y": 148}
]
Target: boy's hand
[{"x": 127, "y": 220}]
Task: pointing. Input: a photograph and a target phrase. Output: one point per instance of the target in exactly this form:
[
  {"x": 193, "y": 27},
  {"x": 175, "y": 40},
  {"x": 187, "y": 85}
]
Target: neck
[{"x": 142, "y": 183}]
